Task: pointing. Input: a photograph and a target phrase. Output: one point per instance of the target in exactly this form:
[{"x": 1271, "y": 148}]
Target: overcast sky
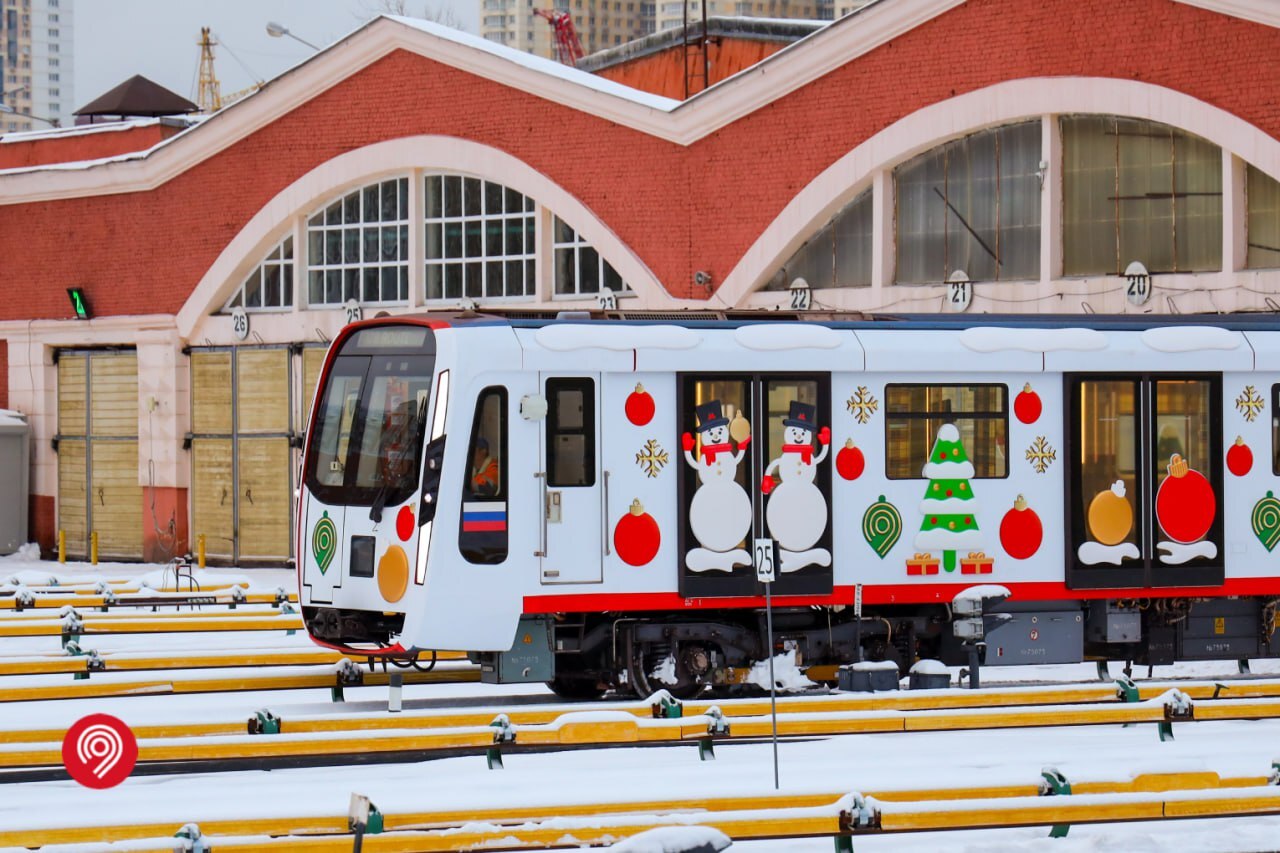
[{"x": 115, "y": 39}]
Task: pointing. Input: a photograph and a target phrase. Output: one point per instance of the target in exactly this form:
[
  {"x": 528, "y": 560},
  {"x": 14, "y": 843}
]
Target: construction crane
[
  {"x": 209, "y": 95},
  {"x": 568, "y": 47}
]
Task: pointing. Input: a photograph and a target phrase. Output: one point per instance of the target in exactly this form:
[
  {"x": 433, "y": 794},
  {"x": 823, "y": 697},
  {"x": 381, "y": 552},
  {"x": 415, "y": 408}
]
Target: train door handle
[{"x": 542, "y": 541}]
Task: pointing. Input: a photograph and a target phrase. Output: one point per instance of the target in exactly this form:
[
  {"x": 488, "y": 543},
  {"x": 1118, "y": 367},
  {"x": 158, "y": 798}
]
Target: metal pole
[{"x": 773, "y": 684}]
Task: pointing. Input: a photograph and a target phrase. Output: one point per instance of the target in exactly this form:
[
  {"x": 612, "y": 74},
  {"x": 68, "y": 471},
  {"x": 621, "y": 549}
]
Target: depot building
[{"x": 1035, "y": 156}]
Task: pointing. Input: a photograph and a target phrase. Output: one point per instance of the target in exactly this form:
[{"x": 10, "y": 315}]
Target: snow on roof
[
  {"x": 539, "y": 65},
  {"x": 1191, "y": 338},
  {"x": 994, "y": 339},
  {"x": 86, "y": 129},
  {"x": 981, "y": 591},
  {"x": 784, "y": 336},
  {"x": 562, "y": 338}
]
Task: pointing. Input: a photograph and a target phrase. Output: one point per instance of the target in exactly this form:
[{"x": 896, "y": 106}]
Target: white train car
[{"x": 577, "y": 501}]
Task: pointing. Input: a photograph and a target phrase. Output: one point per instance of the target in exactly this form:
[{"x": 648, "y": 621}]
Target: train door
[
  {"x": 573, "y": 485},
  {"x": 1144, "y": 481},
  {"x": 756, "y": 465}
]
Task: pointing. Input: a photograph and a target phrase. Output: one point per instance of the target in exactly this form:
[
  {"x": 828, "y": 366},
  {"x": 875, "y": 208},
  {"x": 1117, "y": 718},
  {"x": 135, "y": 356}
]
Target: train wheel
[{"x": 683, "y": 670}]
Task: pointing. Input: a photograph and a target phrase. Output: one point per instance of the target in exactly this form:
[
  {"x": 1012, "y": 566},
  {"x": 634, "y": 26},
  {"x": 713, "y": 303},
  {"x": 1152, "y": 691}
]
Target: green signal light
[{"x": 79, "y": 304}]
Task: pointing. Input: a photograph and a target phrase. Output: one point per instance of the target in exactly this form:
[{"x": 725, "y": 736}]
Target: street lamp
[
  {"x": 276, "y": 30},
  {"x": 5, "y": 108}
]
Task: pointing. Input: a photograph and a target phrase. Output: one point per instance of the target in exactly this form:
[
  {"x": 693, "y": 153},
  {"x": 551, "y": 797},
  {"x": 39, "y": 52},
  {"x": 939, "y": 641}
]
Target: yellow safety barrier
[
  {"x": 321, "y": 677},
  {"x": 62, "y": 546},
  {"x": 150, "y": 598},
  {"x": 93, "y": 548},
  {"x": 1143, "y": 796}
]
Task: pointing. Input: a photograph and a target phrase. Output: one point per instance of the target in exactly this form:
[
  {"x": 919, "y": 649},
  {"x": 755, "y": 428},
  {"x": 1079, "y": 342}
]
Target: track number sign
[{"x": 766, "y": 569}]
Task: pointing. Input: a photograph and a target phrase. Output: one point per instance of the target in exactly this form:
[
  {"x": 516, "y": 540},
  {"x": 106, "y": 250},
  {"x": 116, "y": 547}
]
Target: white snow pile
[
  {"x": 928, "y": 666},
  {"x": 770, "y": 337},
  {"x": 675, "y": 839},
  {"x": 562, "y": 338},
  {"x": 980, "y": 592},
  {"x": 165, "y": 579},
  {"x": 786, "y": 674},
  {"x": 1190, "y": 338},
  {"x": 995, "y": 339},
  {"x": 665, "y": 672},
  {"x": 28, "y": 553}
]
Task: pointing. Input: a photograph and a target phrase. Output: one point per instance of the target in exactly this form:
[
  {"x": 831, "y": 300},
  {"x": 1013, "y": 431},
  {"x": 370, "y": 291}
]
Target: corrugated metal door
[
  {"x": 241, "y": 452},
  {"x": 98, "y": 487}
]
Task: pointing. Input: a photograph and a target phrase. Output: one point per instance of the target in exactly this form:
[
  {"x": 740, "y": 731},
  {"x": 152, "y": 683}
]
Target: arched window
[
  {"x": 481, "y": 240},
  {"x": 358, "y": 247},
  {"x": 579, "y": 268},
  {"x": 839, "y": 255},
  {"x": 973, "y": 205},
  {"x": 1263, "y": 199},
  {"x": 270, "y": 286},
  {"x": 1136, "y": 190}
]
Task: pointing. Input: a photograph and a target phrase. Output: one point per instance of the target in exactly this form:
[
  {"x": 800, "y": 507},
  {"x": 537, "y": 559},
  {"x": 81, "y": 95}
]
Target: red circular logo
[{"x": 99, "y": 751}]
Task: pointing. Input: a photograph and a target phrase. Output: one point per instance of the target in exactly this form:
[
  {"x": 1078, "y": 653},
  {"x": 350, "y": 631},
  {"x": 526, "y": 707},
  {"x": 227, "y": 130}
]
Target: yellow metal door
[
  {"x": 73, "y": 472},
  {"x": 213, "y": 496},
  {"x": 264, "y": 497}
]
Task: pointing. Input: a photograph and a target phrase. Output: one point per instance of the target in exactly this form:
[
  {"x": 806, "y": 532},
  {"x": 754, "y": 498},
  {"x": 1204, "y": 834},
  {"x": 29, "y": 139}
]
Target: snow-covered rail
[
  {"x": 56, "y": 598},
  {"x": 1141, "y": 796},
  {"x": 128, "y": 623},
  {"x": 86, "y": 662},
  {"x": 422, "y": 735}
]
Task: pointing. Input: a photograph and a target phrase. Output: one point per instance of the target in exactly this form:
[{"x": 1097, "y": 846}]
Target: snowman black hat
[
  {"x": 801, "y": 416},
  {"x": 711, "y": 415}
]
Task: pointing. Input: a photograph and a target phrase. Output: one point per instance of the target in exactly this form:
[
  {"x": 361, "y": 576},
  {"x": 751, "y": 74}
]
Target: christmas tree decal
[{"x": 950, "y": 513}]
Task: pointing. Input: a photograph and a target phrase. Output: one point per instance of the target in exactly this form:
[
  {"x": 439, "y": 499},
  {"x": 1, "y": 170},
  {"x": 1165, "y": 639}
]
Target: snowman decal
[
  {"x": 797, "y": 510},
  {"x": 720, "y": 514}
]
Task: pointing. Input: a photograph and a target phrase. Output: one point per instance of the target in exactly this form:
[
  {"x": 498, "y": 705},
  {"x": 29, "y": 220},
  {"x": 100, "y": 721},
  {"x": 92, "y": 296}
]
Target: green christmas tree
[{"x": 950, "y": 513}]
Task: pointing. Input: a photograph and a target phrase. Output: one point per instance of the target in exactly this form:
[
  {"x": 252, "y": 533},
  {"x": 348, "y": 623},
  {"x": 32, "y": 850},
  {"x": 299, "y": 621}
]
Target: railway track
[
  {"x": 90, "y": 661},
  {"x": 34, "y": 753},
  {"x": 1047, "y": 799}
]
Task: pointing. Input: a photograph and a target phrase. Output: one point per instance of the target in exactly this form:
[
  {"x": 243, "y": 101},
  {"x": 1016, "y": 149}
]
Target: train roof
[{"x": 1244, "y": 322}]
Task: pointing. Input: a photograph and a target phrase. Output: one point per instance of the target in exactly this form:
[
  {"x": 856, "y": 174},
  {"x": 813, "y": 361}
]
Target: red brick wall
[
  {"x": 664, "y": 73},
  {"x": 85, "y": 146},
  {"x": 679, "y": 209}
]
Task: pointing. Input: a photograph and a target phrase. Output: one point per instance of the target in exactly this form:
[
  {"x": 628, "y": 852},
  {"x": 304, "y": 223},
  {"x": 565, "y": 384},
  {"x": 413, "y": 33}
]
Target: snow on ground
[{"x": 837, "y": 765}]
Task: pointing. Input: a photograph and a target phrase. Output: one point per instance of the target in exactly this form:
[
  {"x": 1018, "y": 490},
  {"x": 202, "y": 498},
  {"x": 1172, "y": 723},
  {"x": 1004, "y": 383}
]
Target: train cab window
[
  {"x": 915, "y": 413},
  {"x": 571, "y": 432},
  {"x": 483, "y": 534}
]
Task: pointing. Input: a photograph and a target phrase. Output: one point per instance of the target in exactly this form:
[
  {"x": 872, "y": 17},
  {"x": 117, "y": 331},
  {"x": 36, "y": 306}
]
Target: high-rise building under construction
[{"x": 36, "y": 55}]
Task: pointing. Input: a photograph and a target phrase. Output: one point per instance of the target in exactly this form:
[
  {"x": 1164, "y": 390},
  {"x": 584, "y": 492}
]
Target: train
[{"x": 585, "y": 501}]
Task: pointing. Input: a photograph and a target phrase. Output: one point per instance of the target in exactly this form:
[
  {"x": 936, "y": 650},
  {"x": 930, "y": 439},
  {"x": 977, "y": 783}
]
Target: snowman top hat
[
  {"x": 711, "y": 415},
  {"x": 802, "y": 415}
]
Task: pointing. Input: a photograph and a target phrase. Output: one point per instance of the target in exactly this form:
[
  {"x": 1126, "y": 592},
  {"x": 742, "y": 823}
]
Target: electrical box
[
  {"x": 1111, "y": 624},
  {"x": 1036, "y": 636},
  {"x": 529, "y": 660},
  {"x": 1220, "y": 629}
]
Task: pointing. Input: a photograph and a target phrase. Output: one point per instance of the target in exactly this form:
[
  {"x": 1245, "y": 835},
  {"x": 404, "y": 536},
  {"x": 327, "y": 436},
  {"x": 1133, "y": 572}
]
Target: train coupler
[{"x": 504, "y": 732}]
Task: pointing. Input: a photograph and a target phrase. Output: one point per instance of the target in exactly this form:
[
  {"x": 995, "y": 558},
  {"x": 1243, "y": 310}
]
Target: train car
[{"x": 577, "y": 500}]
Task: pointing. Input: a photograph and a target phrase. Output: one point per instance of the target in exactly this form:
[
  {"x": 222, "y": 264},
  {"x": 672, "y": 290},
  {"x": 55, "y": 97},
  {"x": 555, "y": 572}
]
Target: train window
[
  {"x": 483, "y": 534},
  {"x": 571, "y": 432},
  {"x": 915, "y": 413}
]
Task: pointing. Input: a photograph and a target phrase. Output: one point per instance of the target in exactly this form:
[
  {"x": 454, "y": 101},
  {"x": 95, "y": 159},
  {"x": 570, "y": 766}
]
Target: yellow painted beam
[
  {"x": 323, "y": 677},
  {"x": 155, "y": 598},
  {"x": 138, "y": 625},
  {"x": 54, "y": 664}
]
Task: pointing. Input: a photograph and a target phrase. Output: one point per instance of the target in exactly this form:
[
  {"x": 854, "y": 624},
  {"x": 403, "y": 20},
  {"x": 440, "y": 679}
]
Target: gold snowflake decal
[
  {"x": 1249, "y": 403},
  {"x": 1040, "y": 454},
  {"x": 652, "y": 458},
  {"x": 862, "y": 405}
]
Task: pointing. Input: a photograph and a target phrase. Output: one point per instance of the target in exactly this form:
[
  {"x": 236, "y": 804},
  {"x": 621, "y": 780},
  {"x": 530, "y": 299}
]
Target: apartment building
[{"x": 36, "y": 38}]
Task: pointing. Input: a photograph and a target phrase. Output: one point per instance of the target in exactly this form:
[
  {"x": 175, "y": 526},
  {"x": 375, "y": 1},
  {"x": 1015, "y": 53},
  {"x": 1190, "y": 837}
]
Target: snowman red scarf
[{"x": 805, "y": 451}]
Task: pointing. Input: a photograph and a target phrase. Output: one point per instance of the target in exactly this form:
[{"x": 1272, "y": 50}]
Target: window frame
[
  {"x": 481, "y": 548},
  {"x": 1002, "y": 416},
  {"x": 575, "y": 246},
  {"x": 317, "y": 222},
  {"x": 587, "y": 386},
  {"x": 281, "y": 257},
  {"x": 528, "y": 259}
]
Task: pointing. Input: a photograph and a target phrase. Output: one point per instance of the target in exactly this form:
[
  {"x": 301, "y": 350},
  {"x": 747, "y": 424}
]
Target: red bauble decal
[
  {"x": 639, "y": 406},
  {"x": 404, "y": 523},
  {"x": 636, "y": 537},
  {"x": 1021, "y": 531},
  {"x": 1027, "y": 405},
  {"x": 1239, "y": 458},
  {"x": 850, "y": 462},
  {"x": 1185, "y": 503}
]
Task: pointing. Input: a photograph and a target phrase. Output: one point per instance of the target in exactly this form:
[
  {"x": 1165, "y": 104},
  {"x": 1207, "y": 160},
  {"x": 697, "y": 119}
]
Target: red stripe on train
[{"x": 886, "y": 594}]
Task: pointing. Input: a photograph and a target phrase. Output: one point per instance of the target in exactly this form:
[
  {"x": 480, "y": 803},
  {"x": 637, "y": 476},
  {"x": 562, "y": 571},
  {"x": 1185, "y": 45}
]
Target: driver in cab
[{"x": 484, "y": 471}]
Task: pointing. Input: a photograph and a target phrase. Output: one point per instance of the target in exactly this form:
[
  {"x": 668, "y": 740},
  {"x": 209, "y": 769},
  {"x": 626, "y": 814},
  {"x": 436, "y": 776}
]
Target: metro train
[{"x": 579, "y": 501}]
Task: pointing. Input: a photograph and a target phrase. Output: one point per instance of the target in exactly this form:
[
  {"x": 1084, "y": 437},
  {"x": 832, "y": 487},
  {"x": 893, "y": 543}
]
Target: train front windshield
[{"x": 371, "y": 416}]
